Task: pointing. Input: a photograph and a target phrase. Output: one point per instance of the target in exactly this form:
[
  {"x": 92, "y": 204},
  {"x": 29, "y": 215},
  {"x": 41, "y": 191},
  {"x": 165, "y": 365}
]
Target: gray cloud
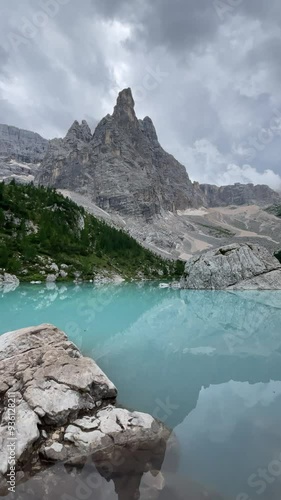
[{"x": 209, "y": 82}]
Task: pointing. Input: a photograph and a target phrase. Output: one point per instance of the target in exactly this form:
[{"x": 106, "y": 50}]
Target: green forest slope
[{"x": 40, "y": 228}]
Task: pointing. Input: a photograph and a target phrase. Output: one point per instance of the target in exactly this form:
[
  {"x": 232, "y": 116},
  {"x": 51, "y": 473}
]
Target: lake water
[{"x": 206, "y": 363}]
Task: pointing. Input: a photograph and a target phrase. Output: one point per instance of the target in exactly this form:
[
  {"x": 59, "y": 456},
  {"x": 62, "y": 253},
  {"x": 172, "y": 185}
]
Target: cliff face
[
  {"x": 21, "y": 145},
  {"x": 122, "y": 167},
  {"x": 20, "y": 153},
  {"x": 239, "y": 194}
]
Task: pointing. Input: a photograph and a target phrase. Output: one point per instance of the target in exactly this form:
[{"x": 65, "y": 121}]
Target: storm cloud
[{"x": 206, "y": 71}]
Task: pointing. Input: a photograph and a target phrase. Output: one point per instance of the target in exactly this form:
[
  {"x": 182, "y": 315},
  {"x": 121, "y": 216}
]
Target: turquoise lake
[{"x": 206, "y": 363}]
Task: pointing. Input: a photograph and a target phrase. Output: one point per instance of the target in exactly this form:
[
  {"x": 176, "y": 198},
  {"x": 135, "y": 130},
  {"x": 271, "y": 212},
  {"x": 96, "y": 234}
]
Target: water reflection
[{"x": 206, "y": 363}]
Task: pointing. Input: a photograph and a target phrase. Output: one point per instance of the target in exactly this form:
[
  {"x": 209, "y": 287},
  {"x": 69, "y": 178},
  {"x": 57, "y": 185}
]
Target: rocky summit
[
  {"x": 236, "y": 267},
  {"x": 122, "y": 167}
]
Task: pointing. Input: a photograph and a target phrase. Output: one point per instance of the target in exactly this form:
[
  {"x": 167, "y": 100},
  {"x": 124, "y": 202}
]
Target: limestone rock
[
  {"x": 8, "y": 282},
  {"x": 239, "y": 194},
  {"x": 20, "y": 153},
  {"x": 236, "y": 266},
  {"x": 122, "y": 167},
  {"x": 26, "y": 432},
  {"x": 21, "y": 145},
  {"x": 51, "y": 278},
  {"x": 8, "y": 279},
  {"x": 99, "y": 435},
  {"x": 71, "y": 401}
]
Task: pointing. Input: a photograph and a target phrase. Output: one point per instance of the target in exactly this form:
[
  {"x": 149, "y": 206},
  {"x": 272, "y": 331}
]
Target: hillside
[
  {"x": 41, "y": 230},
  {"x": 121, "y": 174}
]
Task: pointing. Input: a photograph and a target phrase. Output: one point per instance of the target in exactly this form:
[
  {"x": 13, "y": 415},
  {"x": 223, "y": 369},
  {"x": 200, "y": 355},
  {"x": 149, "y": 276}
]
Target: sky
[{"x": 206, "y": 71}]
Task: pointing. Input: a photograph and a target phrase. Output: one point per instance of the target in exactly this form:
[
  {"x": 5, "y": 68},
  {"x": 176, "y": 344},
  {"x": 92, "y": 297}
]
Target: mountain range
[{"x": 122, "y": 174}]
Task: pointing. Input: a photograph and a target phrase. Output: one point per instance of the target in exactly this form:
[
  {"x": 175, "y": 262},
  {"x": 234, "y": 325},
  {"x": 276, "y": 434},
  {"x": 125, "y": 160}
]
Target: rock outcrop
[
  {"x": 21, "y": 152},
  {"x": 236, "y": 267},
  {"x": 64, "y": 406},
  {"x": 21, "y": 145},
  {"x": 239, "y": 194},
  {"x": 122, "y": 167}
]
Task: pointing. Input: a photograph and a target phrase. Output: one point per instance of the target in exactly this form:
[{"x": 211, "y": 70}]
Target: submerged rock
[
  {"x": 8, "y": 282},
  {"x": 64, "y": 406},
  {"x": 237, "y": 267}
]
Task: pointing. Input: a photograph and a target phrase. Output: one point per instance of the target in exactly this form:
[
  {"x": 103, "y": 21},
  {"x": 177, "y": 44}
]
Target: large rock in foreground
[
  {"x": 65, "y": 410},
  {"x": 236, "y": 267}
]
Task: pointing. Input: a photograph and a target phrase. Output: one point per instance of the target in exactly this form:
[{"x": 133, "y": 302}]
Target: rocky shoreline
[
  {"x": 239, "y": 266},
  {"x": 65, "y": 412}
]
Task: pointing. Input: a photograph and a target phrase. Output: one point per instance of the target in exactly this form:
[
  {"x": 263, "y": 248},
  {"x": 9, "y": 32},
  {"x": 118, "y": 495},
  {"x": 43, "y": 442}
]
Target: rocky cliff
[
  {"x": 239, "y": 194},
  {"x": 20, "y": 153},
  {"x": 122, "y": 167},
  {"x": 21, "y": 145}
]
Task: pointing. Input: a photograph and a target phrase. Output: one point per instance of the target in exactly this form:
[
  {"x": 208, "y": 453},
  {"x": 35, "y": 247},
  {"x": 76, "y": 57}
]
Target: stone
[
  {"x": 55, "y": 452},
  {"x": 237, "y": 266},
  {"x": 112, "y": 427},
  {"x": 27, "y": 432},
  {"x": 8, "y": 279},
  {"x": 51, "y": 278},
  {"x": 70, "y": 399},
  {"x": 54, "y": 267},
  {"x": 153, "y": 482},
  {"x": 8, "y": 282}
]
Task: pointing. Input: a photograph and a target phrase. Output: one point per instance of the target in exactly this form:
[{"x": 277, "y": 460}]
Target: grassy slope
[{"x": 38, "y": 226}]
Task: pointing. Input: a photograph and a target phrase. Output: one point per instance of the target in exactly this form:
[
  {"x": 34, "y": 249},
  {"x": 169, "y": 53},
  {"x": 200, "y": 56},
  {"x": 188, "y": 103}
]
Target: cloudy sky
[{"x": 206, "y": 71}]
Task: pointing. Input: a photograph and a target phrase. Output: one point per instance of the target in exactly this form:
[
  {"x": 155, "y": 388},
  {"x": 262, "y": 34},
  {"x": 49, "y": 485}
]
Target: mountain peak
[
  {"x": 125, "y": 97},
  {"x": 81, "y": 132},
  {"x": 124, "y": 108},
  {"x": 148, "y": 128}
]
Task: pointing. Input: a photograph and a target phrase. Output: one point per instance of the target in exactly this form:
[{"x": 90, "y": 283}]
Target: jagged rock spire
[
  {"x": 81, "y": 132},
  {"x": 148, "y": 128},
  {"x": 125, "y": 107}
]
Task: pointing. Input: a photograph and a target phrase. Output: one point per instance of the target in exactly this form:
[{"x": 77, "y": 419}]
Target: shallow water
[{"x": 206, "y": 363}]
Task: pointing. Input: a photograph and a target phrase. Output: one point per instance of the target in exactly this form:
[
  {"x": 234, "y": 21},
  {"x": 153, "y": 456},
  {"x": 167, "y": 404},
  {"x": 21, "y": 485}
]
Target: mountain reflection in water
[{"x": 206, "y": 363}]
